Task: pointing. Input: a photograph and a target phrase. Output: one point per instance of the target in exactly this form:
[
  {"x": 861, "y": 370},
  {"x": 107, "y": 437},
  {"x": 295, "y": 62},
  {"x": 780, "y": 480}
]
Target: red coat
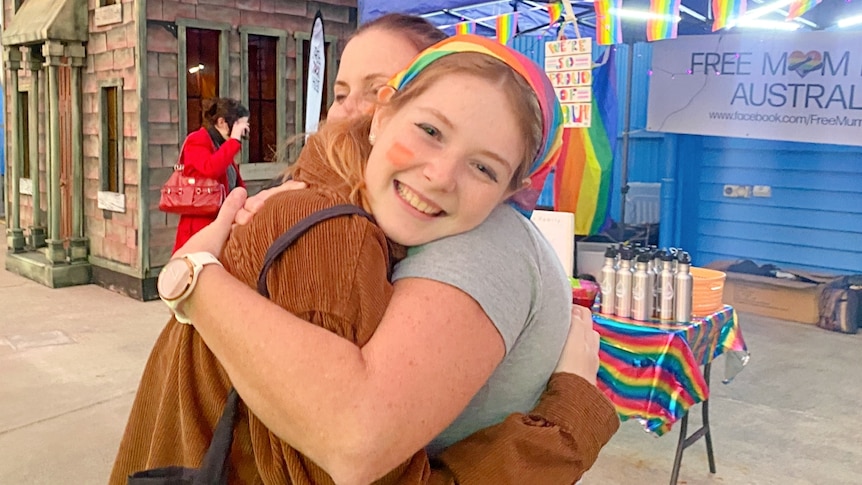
[{"x": 200, "y": 158}]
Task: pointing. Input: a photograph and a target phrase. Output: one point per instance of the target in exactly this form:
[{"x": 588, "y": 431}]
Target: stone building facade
[{"x": 99, "y": 97}]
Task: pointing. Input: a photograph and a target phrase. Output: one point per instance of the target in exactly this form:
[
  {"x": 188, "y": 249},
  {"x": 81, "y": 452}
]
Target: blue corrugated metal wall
[
  {"x": 645, "y": 149},
  {"x": 812, "y": 221}
]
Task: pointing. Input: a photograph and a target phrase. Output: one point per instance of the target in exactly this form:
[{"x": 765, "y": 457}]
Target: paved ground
[{"x": 70, "y": 360}]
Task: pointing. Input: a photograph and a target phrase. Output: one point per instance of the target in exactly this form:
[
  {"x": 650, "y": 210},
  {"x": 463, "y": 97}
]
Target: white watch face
[{"x": 174, "y": 278}]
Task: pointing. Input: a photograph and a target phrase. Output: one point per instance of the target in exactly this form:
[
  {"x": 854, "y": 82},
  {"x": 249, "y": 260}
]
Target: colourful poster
[{"x": 568, "y": 64}]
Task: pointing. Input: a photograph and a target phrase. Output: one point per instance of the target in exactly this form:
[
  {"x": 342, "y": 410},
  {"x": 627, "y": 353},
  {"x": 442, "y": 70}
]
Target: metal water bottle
[
  {"x": 624, "y": 283},
  {"x": 641, "y": 289},
  {"x": 675, "y": 253},
  {"x": 664, "y": 286},
  {"x": 608, "y": 281},
  {"x": 655, "y": 265},
  {"x": 682, "y": 288}
]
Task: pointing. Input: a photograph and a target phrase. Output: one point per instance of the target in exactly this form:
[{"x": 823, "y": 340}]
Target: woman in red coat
[{"x": 210, "y": 152}]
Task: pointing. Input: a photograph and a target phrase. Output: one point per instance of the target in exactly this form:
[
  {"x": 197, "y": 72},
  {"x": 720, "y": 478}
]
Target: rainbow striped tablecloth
[{"x": 650, "y": 370}]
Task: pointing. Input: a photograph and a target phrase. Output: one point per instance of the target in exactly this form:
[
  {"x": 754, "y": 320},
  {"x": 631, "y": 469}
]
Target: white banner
[
  {"x": 801, "y": 86},
  {"x": 569, "y": 64},
  {"x": 316, "y": 67}
]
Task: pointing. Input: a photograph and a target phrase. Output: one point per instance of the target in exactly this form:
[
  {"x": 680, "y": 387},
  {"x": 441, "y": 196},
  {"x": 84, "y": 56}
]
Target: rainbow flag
[
  {"x": 506, "y": 25},
  {"x": 608, "y": 28},
  {"x": 555, "y": 11},
  {"x": 726, "y": 11},
  {"x": 799, "y": 7},
  {"x": 663, "y": 28},
  {"x": 582, "y": 182},
  {"x": 465, "y": 28}
]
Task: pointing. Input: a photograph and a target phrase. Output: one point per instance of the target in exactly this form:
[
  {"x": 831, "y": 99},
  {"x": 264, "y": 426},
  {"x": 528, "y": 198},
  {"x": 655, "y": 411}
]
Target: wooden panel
[{"x": 65, "y": 106}]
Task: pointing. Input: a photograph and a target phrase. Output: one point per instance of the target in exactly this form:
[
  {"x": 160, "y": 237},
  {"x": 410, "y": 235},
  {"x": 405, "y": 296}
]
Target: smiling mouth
[{"x": 416, "y": 202}]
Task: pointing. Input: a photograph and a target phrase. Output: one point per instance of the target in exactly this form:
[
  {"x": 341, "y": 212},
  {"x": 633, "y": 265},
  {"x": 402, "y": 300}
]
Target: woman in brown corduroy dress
[{"x": 335, "y": 276}]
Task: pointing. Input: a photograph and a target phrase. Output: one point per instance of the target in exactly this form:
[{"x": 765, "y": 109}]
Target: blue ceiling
[{"x": 533, "y": 16}]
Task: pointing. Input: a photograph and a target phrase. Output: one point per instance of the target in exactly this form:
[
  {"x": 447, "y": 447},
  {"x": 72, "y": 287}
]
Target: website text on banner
[{"x": 804, "y": 86}]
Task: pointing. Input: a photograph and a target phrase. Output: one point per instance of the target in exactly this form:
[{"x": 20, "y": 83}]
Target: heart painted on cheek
[
  {"x": 804, "y": 62},
  {"x": 399, "y": 155}
]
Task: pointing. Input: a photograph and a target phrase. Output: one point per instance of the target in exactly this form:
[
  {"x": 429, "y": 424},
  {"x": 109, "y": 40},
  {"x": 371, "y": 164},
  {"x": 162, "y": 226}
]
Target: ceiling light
[
  {"x": 761, "y": 11},
  {"x": 643, "y": 15},
  {"x": 847, "y": 22},
  {"x": 765, "y": 24},
  {"x": 194, "y": 69}
]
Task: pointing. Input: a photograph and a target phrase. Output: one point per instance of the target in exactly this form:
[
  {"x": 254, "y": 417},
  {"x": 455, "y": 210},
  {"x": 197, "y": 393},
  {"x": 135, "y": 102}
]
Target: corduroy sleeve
[{"x": 555, "y": 443}]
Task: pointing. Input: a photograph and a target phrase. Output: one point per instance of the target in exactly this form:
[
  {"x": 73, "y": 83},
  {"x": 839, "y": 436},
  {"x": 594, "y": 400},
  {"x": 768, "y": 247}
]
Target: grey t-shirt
[{"x": 509, "y": 268}]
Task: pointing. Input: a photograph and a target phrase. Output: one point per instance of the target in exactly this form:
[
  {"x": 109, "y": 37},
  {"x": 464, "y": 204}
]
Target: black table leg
[
  {"x": 703, "y": 432},
  {"x": 708, "y": 435},
  {"x": 677, "y": 460}
]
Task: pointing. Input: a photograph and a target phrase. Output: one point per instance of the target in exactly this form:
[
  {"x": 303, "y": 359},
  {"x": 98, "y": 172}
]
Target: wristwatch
[{"x": 178, "y": 278}]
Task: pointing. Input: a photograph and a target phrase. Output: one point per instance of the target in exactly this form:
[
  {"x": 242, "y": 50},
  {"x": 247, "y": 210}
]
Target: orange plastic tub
[{"x": 707, "y": 294}]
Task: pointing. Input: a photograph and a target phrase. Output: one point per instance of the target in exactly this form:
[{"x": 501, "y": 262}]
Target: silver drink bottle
[
  {"x": 641, "y": 289},
  {"x": 682, "y": 289},
  {"x": 624, "y": 283},
  {"x": 664, "y": 286},
  {"x": 608, "y": 281}
]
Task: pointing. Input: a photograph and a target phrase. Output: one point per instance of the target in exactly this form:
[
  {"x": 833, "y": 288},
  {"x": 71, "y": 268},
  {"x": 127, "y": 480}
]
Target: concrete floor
[{"x": 70, "y": 361}]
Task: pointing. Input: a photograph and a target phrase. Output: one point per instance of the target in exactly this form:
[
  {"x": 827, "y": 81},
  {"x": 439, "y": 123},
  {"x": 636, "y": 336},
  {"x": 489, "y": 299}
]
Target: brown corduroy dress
[{"x": 335, "y": 276}]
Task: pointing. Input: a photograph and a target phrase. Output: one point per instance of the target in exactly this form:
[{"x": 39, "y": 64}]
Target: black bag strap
[
  {"x": 298, "y": 229},
  {"x": 214, "y": 466}
]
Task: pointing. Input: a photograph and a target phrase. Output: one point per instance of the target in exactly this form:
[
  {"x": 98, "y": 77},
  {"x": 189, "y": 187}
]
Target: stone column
[
  {"x": 78, "y": 245},
  {"x": 14, "y": 234},
  {"x": 56, "y": 252},
  {"x": 34, "y": 62}
]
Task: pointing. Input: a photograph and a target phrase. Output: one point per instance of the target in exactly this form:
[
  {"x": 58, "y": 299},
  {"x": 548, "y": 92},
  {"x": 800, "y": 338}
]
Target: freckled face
[{"x": 439, "y": 166}]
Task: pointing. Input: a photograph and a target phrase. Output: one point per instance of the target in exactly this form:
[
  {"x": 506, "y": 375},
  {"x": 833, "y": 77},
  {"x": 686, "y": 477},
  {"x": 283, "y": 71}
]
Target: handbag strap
[
  {"x": 214, "y": 468},
  {"x": 285, "y": 240},
  {"x": 180, "y": 165}
]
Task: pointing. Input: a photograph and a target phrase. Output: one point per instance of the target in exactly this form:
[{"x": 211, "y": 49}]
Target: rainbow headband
[{"x": 552, "y": 116}]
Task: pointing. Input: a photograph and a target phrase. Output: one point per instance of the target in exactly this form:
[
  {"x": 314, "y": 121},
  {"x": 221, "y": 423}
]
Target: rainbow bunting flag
[
  {"x": 608, "y": 28},
  {"x": 582, "y": 181},
  {"x": 506, "y": 25},
  {"x": 725, "y": 12},
  {"x": 465, "y": 28},
  {"x": 666, "y": 26},
  {"x": 555, "y": 11},
  {"x": 799, "y": 7}
]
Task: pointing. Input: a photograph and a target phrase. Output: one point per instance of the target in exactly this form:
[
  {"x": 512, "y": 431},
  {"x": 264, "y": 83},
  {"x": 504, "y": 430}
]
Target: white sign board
[
  {"x": 569, "y": 64},
  {"x": 801, "y": 86},
  {"x": 559, "y": 229}
]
